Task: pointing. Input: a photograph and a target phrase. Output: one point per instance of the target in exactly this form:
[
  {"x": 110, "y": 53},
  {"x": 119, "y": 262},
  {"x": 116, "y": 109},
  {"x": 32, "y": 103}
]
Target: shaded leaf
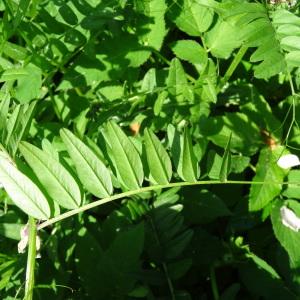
[
  {"x": 271, "y": 175},
  {"x": 226, "y": 162},
  {"x": 288, "y": 238}
]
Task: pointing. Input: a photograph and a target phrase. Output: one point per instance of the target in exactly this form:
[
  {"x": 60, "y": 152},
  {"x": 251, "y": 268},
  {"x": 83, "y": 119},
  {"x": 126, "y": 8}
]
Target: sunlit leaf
[
  {"x": 125, "y": 157},
  {"x": 25, "y": 194},
  {"x": 158, "y": 160},
  {"x": 91, "y": 170},
  {"x": 57, "y": 181}
]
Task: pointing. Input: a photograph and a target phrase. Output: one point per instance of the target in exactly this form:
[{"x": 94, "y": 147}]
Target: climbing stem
[
  {"x": 29, "y": 284},
  {"x": 148, "y": 189}
]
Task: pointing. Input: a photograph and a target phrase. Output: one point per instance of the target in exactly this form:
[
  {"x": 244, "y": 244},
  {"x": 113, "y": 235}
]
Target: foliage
[{"x": 143, "y": 137}]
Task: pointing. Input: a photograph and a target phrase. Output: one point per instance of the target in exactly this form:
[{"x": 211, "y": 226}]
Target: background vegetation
[{"x": 141, "y": 137}]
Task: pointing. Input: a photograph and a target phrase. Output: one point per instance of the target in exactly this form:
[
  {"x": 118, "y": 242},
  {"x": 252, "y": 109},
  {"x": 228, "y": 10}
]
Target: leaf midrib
[
  {"x": 127, "y": 160},
  {"x": 161, "y": 162},
  {"x": 50, "y": 171},
  {"x": 23, "y": 190},
  {"x": 89, "y": 163}
]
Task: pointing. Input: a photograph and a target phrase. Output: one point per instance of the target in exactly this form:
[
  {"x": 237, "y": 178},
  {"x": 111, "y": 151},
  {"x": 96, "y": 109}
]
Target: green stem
[
  {"x": 237, "y": 59},
  {"x": 29, "y": 285},
  {"x": 214, "y": 286},
  {"x": 147, "y": 189},
  {"x": 169, "y": 281}
]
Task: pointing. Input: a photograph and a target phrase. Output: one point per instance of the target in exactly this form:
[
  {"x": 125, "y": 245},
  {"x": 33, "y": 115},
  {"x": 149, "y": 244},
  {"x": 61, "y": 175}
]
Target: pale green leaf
[
  {"x": 15, "y": 51},
  {"x": 18, "y": 125},
  {"x": 158, "y": 159},
  {"x": 126, "y": 159},
  {"x": 192, "y": 17},
  {"x": 57, "y": 181},
  {"x": 91, "y": 170},
  {"x": 13, "y": 74},
  {"x": 24, "y": 193},
  {"x": 192, "y": 52},
  {"x": 222, "y": 39},
  {"x": 4, "y": 106}
]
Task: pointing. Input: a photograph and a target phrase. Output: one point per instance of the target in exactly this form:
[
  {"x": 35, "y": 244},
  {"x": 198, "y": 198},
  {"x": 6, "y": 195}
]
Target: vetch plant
[{"x": 145, "y": 143}]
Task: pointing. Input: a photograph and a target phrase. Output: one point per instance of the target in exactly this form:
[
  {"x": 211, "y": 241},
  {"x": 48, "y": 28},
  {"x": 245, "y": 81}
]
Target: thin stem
[
  {"x": 237, "y": 59},
  {"x": 169, "y": 281},
  {"x": 147, "y": 189},
  {"x": 164, "y": 265},
  {"x": 213, "y": 281},
  {"x": 29, "y": 284}
]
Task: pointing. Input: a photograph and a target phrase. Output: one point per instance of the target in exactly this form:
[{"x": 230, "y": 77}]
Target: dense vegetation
[{"x": 140, "y": 143}]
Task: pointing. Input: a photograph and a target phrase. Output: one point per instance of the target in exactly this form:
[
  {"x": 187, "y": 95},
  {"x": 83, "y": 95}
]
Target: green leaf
[
  {"x": 110, "y": 265},
  {"x": 125, "y": 157},
  {"x": 15, "y": 51},
  {"x": 192, "y": 52},
  {"x": 271, "y": 285},
  {"x": 188, "y": 168},
  {"x": 226, "y": 162},
  {"x": 13, "y": 74},
  {"x": 177, "y": 81},
  {"x": 159, "y": 102},
  {"x": 4, "y": 106},
  {"x": 91, "y": 170},
  {"x": 193, "y": 17},
  {"x": 29, "y": 87},
  {"x": 158, "y": 159},
  {"x": 292, "y": 190},
  {"x": 271, "y": 175},
  {"x": 288, "y": 238},
  {"x": 24, "y": 193},
  {"x": 57, "y": 181},
  {"x": 17, "y": 126},
  {"x": 205, "y": 207},
  {"x": 246, "y": 134},
  {"x": 222, "y": 39}
]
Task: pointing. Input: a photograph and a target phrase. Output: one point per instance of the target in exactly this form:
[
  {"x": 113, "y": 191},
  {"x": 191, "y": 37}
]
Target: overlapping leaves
[{"x": 60, "y": 185}]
